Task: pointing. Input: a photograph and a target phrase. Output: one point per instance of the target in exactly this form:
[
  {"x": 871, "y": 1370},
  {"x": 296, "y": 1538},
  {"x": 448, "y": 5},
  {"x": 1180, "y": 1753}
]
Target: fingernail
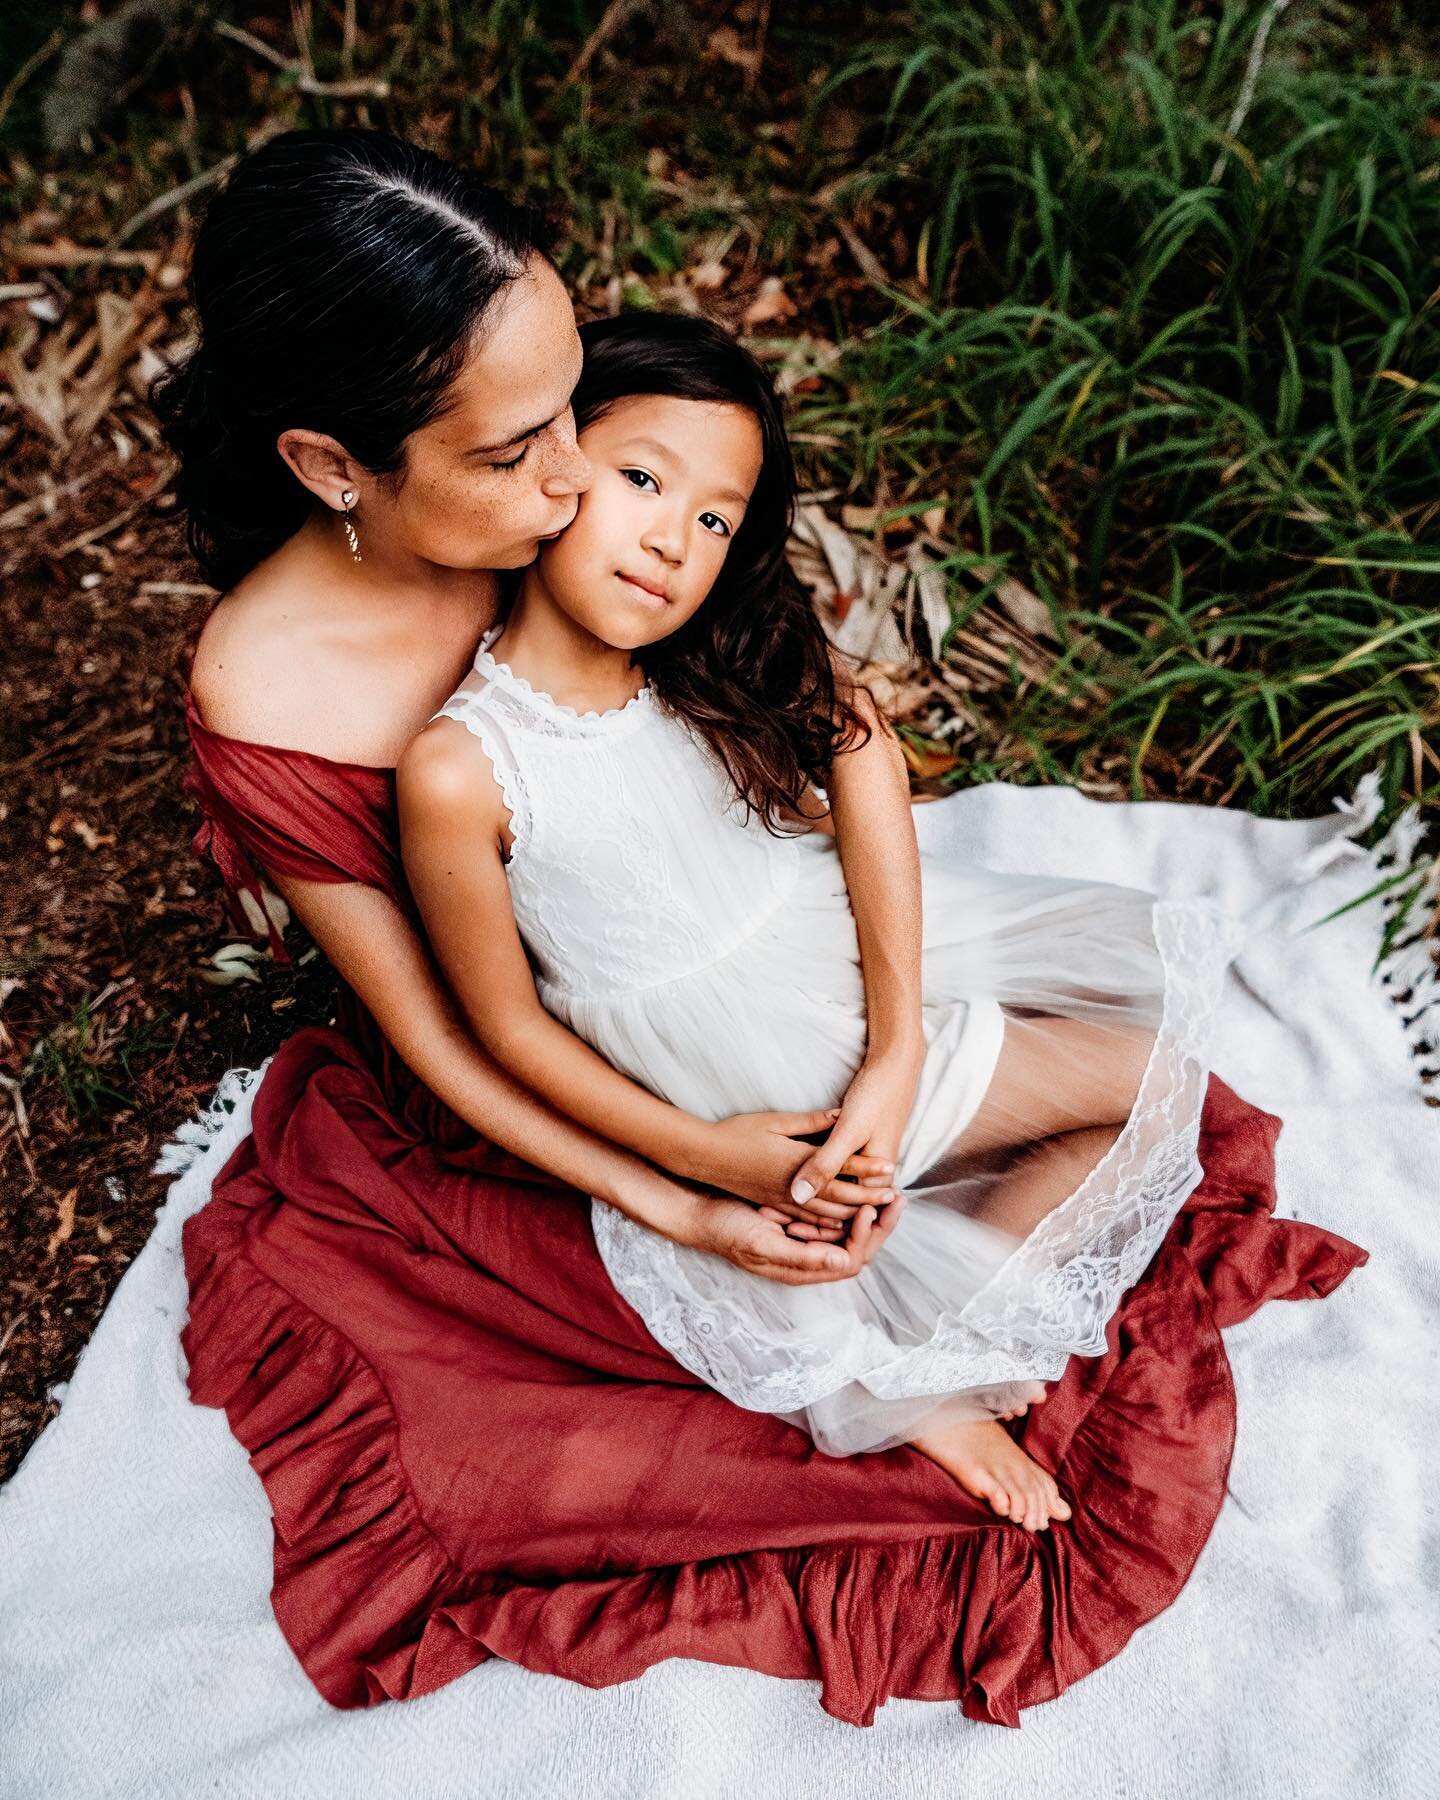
[
  {"x": 801, "y": 1191},
  {"x": 835, "y": 1259}
]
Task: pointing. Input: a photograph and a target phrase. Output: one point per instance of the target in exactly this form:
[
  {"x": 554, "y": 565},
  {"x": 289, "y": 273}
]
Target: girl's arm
[
  {"x": 453, "y": 825},
  {"x": 379, "y": 954},
  {"x": 869, "y": 797}
]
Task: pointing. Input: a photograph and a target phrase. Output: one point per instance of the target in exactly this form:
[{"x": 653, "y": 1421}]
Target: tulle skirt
[{"x": 1052, "y": 1140}]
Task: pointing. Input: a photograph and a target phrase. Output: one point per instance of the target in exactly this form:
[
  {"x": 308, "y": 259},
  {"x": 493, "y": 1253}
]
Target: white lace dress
[{"x": 718, "y": 965}]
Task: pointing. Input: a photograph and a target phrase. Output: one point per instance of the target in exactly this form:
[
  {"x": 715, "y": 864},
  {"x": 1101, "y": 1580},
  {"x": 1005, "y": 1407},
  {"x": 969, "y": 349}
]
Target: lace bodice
[{"x": 632, "y": 861}]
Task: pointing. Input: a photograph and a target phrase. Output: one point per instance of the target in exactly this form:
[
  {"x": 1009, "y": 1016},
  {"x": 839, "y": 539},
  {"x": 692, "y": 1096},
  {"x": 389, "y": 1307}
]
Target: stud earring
[{"x": 348, "y": 499}]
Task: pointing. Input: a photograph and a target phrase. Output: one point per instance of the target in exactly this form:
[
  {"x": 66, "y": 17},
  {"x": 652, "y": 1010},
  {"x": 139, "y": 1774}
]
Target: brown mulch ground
[{"x": 104, "y": 915}]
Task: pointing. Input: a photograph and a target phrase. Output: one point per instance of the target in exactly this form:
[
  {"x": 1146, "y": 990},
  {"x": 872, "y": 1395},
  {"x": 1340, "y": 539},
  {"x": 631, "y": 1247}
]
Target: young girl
[{"x": 663, "y": 849}]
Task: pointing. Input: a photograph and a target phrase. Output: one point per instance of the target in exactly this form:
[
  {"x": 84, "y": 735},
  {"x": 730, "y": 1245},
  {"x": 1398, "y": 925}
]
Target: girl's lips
[{"x": 639, "y": 587}]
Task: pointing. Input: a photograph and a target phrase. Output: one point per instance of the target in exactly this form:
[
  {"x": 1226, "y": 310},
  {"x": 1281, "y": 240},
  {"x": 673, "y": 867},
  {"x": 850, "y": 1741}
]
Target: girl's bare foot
[{"x": 987, "y": 1462}]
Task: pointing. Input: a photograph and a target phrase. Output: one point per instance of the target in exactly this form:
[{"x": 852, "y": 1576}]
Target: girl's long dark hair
[
  {"x": 339, "y": 279},
  {"x": 751, "y": 672}
]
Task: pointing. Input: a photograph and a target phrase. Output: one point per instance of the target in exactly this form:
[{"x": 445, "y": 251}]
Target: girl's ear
[{"x": 321, "y": 464}]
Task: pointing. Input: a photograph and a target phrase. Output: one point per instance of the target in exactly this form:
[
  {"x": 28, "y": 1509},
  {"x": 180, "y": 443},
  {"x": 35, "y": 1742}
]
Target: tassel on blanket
[
  {"x": 196, "y": 1137},
  {"x": 1407, "y": 962}
]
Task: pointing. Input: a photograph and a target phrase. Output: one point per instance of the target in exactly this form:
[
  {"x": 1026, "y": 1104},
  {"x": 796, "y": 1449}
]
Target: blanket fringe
[
  {"x": 1407, "y": 963},
  {"x": 195, "y": 1138}
]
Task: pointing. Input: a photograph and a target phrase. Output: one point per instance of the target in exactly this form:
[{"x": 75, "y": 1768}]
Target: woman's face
[
  {"x": 670, "y": 483},
  {"x": 499, "y": 469}
]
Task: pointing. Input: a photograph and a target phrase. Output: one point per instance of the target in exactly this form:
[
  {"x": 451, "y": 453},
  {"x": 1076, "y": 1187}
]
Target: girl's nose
[{"x": 664, "y": 541}]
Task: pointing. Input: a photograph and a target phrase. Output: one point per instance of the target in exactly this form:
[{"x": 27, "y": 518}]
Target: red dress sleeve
[{"x": 266, "y": 810}]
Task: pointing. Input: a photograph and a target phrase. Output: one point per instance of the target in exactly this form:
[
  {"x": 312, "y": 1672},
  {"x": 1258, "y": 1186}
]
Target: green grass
[
  {"x": 1198, "y": 416},
  {"x": 86, "y": 1055},
  {"x": 1183, "y": 385}
]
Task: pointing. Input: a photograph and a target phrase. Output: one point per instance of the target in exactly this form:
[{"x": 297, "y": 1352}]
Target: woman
[{"x": 470, "y": 1443}]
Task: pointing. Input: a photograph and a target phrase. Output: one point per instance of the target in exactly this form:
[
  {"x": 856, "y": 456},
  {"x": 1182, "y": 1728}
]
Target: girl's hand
[
  {"x": 758, "y": 1243},
  {"x": 870, "y": 1125},
  {"x": 756, "y": 1156}
]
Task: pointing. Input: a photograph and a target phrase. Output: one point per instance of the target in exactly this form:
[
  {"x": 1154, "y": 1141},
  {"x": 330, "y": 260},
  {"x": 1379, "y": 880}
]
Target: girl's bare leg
[
  {"x": 1044, "y": 1174},
  {"x": 1028, "y": 1110}
]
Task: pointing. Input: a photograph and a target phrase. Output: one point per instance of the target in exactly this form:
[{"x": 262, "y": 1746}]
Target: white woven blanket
[{"x": 139, "y": 1657}]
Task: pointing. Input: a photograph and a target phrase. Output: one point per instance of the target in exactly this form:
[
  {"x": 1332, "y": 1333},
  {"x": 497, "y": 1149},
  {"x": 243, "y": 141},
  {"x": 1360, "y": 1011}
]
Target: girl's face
[
  {"x": 499, "y": 469},
  {"x": 670, "y": 481}
]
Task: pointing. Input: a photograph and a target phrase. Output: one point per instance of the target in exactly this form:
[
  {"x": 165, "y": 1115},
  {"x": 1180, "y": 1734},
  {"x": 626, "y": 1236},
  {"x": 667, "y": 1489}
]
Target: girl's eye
[
  {"x": 515, "y": 461},
  {"x": 715, "y": 518},
  {"x": 627, "y": 473}
]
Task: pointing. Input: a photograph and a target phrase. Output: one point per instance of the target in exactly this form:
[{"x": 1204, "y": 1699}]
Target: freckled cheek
[{"x": 462, "y": 513}]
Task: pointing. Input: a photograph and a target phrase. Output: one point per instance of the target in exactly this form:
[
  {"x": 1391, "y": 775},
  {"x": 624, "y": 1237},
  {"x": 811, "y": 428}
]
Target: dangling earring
[{"x": 348, "y": 499}]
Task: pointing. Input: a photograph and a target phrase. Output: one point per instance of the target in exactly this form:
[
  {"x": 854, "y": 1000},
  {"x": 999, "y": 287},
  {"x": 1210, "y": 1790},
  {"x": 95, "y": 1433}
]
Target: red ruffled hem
[{"x": 979, "y": 1611}]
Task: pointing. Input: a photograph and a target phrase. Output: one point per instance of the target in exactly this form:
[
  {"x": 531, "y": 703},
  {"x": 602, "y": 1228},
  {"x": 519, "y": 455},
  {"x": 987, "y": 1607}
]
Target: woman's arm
[
  {"x": 869, "y": 794},
  {"x": 378, "y": 953},
  {"x": 453, "y": 820}
]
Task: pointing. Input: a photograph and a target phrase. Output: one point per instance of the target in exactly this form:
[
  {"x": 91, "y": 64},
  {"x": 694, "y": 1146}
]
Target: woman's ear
[{"x": 320, "y": 464}]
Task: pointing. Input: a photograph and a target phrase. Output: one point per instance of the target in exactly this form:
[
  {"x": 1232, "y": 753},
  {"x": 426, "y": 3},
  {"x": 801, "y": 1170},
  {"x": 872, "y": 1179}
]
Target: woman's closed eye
[
  {"x": 645, "y": 476},
  {"x": 515, "y": 461}
]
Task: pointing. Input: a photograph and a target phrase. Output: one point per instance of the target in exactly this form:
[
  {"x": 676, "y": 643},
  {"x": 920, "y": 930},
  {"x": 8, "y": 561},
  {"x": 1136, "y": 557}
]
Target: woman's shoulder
[
  {"x": 253, "y": 674},
  {"x": 282, "y": 664}
]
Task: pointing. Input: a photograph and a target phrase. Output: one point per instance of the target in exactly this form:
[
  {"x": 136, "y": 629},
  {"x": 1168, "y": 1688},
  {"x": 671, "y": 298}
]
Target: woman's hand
[
  {"x": 756, "y": 1156},
  {"x": 868, "y": 1129},
  {"x": 758, "y": 1243}
]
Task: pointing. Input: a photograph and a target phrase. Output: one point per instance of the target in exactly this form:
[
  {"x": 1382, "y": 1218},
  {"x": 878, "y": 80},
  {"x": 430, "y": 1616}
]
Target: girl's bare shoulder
[{"x": 446, "y": 774}]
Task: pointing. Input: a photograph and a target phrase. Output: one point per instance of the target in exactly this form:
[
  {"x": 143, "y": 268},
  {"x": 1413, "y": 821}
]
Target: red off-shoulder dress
[{"x": 472, "y": 1447}]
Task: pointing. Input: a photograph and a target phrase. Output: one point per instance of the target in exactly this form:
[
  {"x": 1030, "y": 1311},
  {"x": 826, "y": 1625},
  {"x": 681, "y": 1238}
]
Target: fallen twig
[
  {"x": 76, "y": 256},
  {"x": 616, "y": 15},
  {"x": 11, "y": 1329},
  {"x": 27, "y": 69},
  {"x": 38, "y": 504},
  {"x": 96, "y": 532},
  {"x": 348, "y": 88},
  {"x": 177, "y": 196},
  {"x": 17, "y": 1100}
]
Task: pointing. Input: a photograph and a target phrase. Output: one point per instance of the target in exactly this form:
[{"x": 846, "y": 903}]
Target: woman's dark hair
[
  {"x": 751, "y": 671},
  {"x": 338, "y": 278}
]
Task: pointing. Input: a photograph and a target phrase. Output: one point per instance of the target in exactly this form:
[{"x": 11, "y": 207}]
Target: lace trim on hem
[{"x": 1047, "y": 1313}]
